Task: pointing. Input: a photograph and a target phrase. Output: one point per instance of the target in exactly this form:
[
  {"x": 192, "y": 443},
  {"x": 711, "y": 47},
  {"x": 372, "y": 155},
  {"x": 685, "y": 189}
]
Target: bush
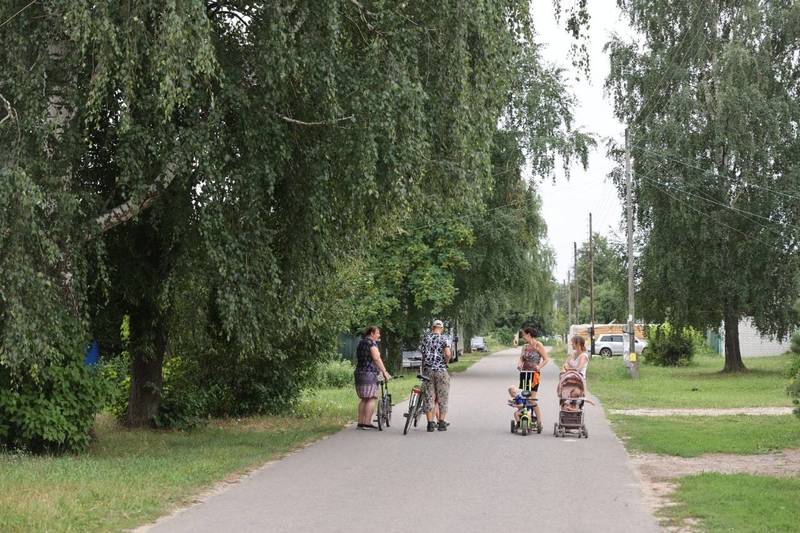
[
  {"x": 504, "y": 335},
  {"x": 670, "y": 346},
  {"x": 51, "y": 408},
  {"x": 183, "y": 404},
  {"x": 795, "y": 343},
  {"x": 116, "y": 372},
  {"x": 334, "y": 373}
]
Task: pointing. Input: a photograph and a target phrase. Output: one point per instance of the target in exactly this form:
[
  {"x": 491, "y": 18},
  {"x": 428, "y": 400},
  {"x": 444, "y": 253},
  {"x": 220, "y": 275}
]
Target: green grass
[
  {"x": 690, "y": 436},
  {"x": 740, "y": 503},
  {"x": 129, "y": 477},
  {"x": 696, "y": 386}
]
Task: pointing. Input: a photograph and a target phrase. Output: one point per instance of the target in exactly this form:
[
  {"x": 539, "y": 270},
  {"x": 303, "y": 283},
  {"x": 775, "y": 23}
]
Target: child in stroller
[{"x": 571, "y": 398}]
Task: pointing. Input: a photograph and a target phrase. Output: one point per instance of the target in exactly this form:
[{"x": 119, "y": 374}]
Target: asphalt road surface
[{"x": 476, "y": 476}]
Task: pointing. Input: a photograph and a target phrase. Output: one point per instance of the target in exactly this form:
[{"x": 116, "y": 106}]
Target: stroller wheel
[
  {"x": 555, "y": 430},
  {"x": 585, "y": 432},
  {"x": 513, "y": 427}
]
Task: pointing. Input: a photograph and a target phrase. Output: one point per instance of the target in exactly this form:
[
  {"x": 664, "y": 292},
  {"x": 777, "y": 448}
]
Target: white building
[{"x": 751, "y": 342}]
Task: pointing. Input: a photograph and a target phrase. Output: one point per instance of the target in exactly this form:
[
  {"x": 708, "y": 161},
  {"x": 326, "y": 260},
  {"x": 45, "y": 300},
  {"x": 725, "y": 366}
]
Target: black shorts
[{"x": 525, "y": 379}]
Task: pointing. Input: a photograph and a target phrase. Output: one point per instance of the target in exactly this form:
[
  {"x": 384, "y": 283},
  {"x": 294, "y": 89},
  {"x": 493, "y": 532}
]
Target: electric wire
[{"x": 12, "y": 17}]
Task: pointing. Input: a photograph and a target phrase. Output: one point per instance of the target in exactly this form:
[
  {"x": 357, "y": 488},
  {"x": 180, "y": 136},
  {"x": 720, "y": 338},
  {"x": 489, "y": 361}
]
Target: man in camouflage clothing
[{"x": 435, "y": 350}]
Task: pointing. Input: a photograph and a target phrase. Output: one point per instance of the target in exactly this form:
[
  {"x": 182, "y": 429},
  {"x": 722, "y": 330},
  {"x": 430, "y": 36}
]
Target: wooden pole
[
  {"x": 591, "y": 288},
  {"x": 634, "y": 363},
  {"x": 577, "y": 285}
]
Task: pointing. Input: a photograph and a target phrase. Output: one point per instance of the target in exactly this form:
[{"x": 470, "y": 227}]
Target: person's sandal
[
  {"x": 430, "y": 426},
  {"x": 443, "y": 425}
]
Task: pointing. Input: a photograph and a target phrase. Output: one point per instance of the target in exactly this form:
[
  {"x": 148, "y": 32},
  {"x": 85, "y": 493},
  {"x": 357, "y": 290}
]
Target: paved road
[{"x": 474, "y": 477}]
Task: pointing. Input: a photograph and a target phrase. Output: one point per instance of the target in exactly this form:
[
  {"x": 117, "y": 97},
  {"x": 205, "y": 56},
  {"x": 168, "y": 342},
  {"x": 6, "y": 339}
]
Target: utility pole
[
  {"x": 569, "y": 298},
  {"x": 633, "y": 361},
  {"x": 591, "y": 288},
  {"x": 577, "y": 285}
]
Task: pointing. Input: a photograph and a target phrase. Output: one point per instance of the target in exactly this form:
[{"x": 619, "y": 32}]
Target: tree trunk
[
  {"x": 147, "y": 352},
  {"x": 393, "y": 351},
  {"x": 733, "y": 354}
]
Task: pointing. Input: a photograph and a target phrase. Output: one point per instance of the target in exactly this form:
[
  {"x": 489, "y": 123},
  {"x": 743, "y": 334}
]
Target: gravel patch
[{"x": 753, "y": 411}]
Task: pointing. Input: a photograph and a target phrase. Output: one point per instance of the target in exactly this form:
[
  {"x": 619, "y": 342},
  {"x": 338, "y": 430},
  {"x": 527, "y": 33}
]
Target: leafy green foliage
[
  {"x": 669, "y": 345},
  {"x": 244, "y": 181},
  {"x": 55, "y": 422},
  {"x": 610, "y": 281},
  {"x": 504, "y": 334},
  {"x": 709, "y": 98},
  {"x": 333, "y": 373}
]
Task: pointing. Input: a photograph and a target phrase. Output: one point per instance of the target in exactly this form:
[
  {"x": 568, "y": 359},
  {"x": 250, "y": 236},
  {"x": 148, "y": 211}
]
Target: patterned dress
[{"x": 366, "y": 373}]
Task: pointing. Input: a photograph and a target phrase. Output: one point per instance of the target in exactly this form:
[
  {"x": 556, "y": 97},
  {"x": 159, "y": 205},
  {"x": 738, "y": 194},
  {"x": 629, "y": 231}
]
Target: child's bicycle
[
  {"x": 384, "y": 405},
  {"x": 415, "y": 402},
  {"x": 528, "y": 422}
]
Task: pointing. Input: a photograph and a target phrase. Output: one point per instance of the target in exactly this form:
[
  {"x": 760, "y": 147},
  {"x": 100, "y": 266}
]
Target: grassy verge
[
  {"x": 689, "y": 436},
  {"x": 738, "y": 502},
  {"x": 130, "y": 477},
  {"x": 699, "y": 385}
]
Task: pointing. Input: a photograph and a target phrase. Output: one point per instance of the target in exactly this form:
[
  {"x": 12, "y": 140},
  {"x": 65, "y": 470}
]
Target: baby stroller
[{"x": 571, "y": 397}]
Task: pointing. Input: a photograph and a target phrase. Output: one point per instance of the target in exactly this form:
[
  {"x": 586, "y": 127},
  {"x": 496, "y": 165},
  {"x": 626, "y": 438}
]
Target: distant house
[{"x": 751, "y": 342}]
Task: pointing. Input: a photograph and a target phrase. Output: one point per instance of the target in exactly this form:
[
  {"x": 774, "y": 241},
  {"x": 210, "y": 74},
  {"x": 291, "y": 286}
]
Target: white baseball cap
[{"x": 437, "y": 324}]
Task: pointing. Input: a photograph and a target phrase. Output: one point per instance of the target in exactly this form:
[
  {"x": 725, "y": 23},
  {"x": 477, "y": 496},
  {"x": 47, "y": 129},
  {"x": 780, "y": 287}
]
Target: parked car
[
  {"x": 478, "y": 343},
  {"x": 616, "y": 344},
  {"x": 412, "y": 359}
]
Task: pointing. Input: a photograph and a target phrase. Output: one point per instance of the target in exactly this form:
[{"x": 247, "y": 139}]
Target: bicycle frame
[{"x": 415, "y": 401}]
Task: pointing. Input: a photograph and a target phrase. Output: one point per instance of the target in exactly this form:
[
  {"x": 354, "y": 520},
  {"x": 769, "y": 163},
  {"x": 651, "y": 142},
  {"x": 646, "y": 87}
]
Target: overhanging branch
[
  {"x": 134, "y": 206},
  {"x": 351, "y": 118}
]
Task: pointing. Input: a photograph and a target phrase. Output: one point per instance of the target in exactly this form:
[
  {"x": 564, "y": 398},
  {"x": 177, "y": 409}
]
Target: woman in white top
[{"x": 578, "y": 359}]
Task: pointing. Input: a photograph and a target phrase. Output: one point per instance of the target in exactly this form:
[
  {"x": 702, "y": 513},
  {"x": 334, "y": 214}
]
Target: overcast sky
[{"x": 566, "y": 204}]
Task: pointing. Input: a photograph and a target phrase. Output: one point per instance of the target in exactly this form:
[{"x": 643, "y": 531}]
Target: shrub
[
  {"x": 51, "y": 408},
  {"x": 504, "y": 335},
  {"x": 670, "y": 346},
  {"x": 795, "y": 343},
  {"x": 116, "y": 373},
  {"x": 183, "y": 403},
  {"x": 334, "y": 373}
]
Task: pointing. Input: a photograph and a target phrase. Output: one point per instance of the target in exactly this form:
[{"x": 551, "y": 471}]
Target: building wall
[{"x": 752, "y": 344}]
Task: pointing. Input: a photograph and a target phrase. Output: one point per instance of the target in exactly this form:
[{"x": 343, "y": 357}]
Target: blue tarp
[{"x": 92, "y": 355}]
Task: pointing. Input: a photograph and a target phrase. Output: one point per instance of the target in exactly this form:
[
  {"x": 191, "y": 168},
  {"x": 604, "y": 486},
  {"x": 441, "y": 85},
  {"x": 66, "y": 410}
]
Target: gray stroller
[{"x": 571, "y": 397}]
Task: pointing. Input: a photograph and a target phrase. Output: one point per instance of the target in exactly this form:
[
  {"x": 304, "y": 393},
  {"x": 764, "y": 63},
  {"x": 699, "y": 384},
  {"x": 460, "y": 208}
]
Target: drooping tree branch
[
  {"x": 137, "y": 204},
  {"x": 351, "y": 118}
]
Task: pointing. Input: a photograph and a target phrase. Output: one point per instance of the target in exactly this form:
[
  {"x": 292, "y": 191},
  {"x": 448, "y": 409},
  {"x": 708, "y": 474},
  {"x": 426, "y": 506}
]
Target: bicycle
[
  {"x": 384, "y": 405},
  {"x": 528, "y": 423},
  {"x": 415, "y": 402}
]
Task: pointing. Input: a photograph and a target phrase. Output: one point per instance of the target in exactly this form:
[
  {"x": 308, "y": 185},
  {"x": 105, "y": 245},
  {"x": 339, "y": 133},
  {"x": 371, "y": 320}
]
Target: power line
[
  {"x": 663, "y": 186},
  {"x": 684, "y": 162},
  {"x": 12, "y": 17}
]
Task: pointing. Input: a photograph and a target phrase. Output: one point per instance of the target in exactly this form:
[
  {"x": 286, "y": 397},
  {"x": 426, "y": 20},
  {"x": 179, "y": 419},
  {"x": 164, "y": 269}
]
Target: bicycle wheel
[
  {"x": 388, "y": 409},
  {"x": 380, "y": 414},
  {"x": 523, "y": 427},
  {"x": 412, "y": 404}
]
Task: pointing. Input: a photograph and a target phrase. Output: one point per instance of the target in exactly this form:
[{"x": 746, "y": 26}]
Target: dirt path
[{"x": 755, "y": 411}]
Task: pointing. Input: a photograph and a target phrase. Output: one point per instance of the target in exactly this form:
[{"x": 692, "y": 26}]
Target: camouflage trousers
[{"x": 437, "y": 388}]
